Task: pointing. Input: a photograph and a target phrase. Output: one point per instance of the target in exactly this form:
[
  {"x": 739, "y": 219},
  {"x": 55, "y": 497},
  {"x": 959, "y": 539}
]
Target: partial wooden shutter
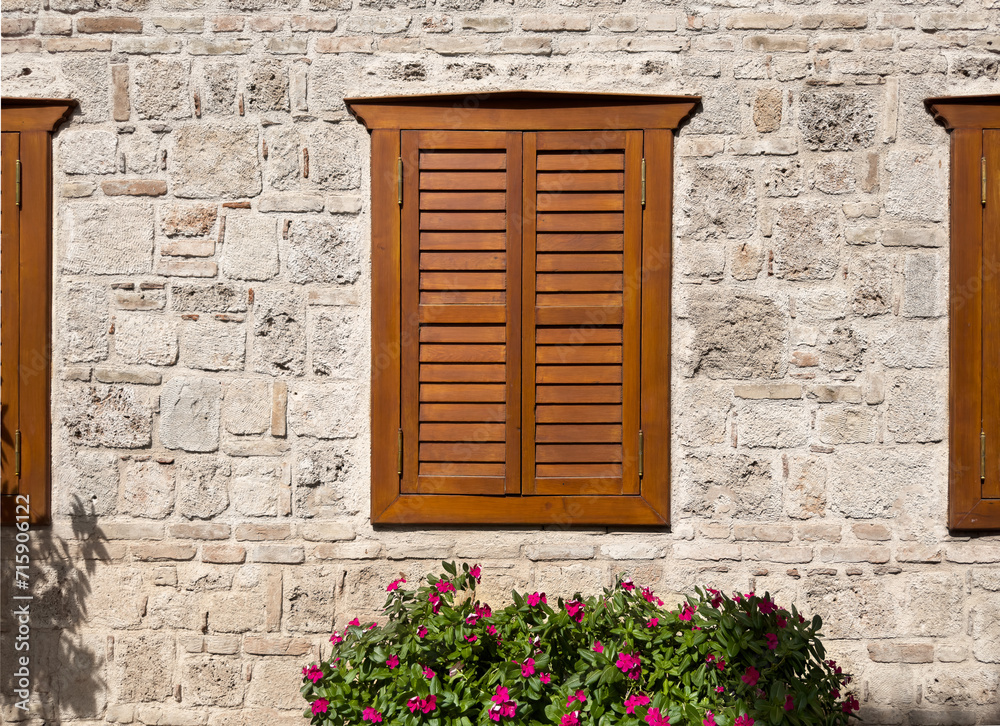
[
  {"x": 991, "y": 313},
  {"x": 460, "y": 337},
  {"x": 581, "y": 312}
]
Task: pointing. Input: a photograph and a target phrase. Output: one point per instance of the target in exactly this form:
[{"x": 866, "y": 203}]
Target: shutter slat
[
  {"x": 565, "y": 354},
  {"x": 462, "y": 297},
  {"x": 463, "y": 281},
  {"x": 463, "y": 241},
  {"x": 579, "y": 222},
  {"x": 463, "y": 160},
  {"x": 579, "y": 263},
  {"x": 462, "y": 411},
  {"x": 462, "y": 314},
  {"x": 462, "y": 392},
  {"x": 585, "y": 182},
  {"x": 577, "y": 453},
  {"x": 464, "y": 334},
  {"x": 578, "y": 336},
  {"x": 571, "y": 202},
  {"x": 577, "y": 433},
  {"x": 461, "y": 432},
  {"x": 462, "y": 181},
  {"x": 459, "y": 373},
  {"x": 580, "y": 242},
  {"x": 579, "y": 414},
  {"x": 582, "y": 315},
  {"x": 578, "y": 394},
  {"x": 579, "y": 299},
  {"x": 463, "y": 221},
  {"x": 463, "y": 261},
  {"x": 449, "y": 201},
  {"x": 467, "y": 469},
  {"x": 463, "y": 353},
  {"x": 462, "y": 452},
  {"x": 578, "y": 282},
  {"x": 581, "y": 162},
  {"x": 578, "y": 374}
]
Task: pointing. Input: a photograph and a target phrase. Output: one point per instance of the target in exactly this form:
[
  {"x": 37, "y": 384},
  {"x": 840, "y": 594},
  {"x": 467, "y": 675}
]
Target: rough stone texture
[
  {"x": 160, "y": 89},
  {"x": 918, "y": 407},
  {"x": 214, "y": 298},
  {"x": 146, "y": 487},
  {"x": 88, "y": 152},
  {"x": 806, "y": 242},
  {"x": 336, "y": 336},
  {"x": 211, "y": 345},
  {"x": 325, "y": 410},
  {"x": 146, "y": 338},
  {"x": 323, "y": 252},
  {"x": 250, "y": 251},
  {"x": 256, "y": 485},
  {"x": 215, "y": 160},
  {"x": 279, "y": 336},
  {"x": 111, "y": 416},
  {"x": 837, "y": 121},
  {"x": 190, "y": 414},
  {"x": 203, "y": 487},
  {"x": 246, "y": 409},
  {"x": 108, "y": 239},
  {"x": 188, "y": 220},
  {"x": 84, "y": 322}
]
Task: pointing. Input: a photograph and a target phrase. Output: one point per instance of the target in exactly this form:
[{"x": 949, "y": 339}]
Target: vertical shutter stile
[
  {"x": 581, "y": 311},
  {"x": 991, "y": 314},
  {"x": 460, "y": 257}
]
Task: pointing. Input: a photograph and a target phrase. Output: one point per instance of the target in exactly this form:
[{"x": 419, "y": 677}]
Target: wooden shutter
[
  {"x": 991, "y": 314},
  {"x": 581, "y": 312},
  {"x": 460, "y": 283}
]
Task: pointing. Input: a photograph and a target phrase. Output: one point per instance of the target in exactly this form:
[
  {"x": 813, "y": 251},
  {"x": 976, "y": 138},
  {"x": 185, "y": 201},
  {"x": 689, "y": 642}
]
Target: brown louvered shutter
[
  {"x": 459, "y": 287},
  {"x": 581, "y": 312}
]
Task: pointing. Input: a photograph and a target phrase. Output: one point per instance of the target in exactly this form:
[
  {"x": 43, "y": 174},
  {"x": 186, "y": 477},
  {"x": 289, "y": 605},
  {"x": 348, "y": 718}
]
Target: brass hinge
[
  {"x": 17, "y": 183},
  {"x": 399, "y": 454},
  {"x": 17, "y": 453},
  {"x": 399, "y": 181},
  {"x": 643, "y": 177},
  {"x": 982, "y": 175},
  {"x": 641, "y": 447},
  {"x": 982, "y": 456}
]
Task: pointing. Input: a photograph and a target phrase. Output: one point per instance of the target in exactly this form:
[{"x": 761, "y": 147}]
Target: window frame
[
  {"x": 27, "y": 309},
  {"x": 971, "y": 457},
  {"x": 385, "y": 118}
]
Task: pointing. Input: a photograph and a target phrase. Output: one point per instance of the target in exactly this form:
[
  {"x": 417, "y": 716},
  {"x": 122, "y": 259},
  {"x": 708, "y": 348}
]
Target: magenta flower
[
  {"x": 392, "y": 661},
  {"x": 772, "y": 640},
  {"x": 835, "y": 693},
  {"x": 491, "y": 629},
  {"x": 394, "y": 585},
  {"x": 743, "y": 720},
  {"x": 851, "y": 704},
  {"x": 435, "y": 600},
  {"x": 502, "y": 706},
  {"x": 709, "y": 658},
  {"x": 629, "y": 664},
  {"x": 444, "y": 586},
  {"x": 575, "y": 610},
  {"x": 421, "y": 632},
  {"x": 336, "y": 639},
  {"x": 751, "y": 676},
  {"x": 528, "y": 667},
  {"x": 655, "y": 718},
  {"x": 370, "y": 714},
  {"x": 356, "y": 623},
  {"x": 535, "y": 598},
  {"x": 472, "y": 638},
  {"x": 598, "y": 647},
  {"x": 766, "y": 606},
  {"x": 476, "y": 573},
  {"x": 687, "y": 612},
  {"x": 373, "y": 626},
  {"x": 545, "y": 677},
  {"x": 789, "y": 704},
  {"x": 634, "y": 701},
  {"x": 709, "y": 719},
  {"x": 483, "y": 611},
  {"x": 570, "y": 719},
  {"x": 428, "y": 673},
  {"x": 653, "y": 622},
  {"x": 313, "y": 673},
  {"x": 647, "y": 594},
  {"x": 720, "y": 689},
  {"x": 782, "y": 623},
  {"x": 320, "y": 705},
  {"x": 574, "y": 697},
  {"x": 627, "y": 584},
  {"x": 721, "y": 664},
  {"x": 424, "y": 705}
]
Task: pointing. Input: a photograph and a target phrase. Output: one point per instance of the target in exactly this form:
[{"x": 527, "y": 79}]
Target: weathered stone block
[
  {"x": 142, "y": 668},
  {"x": 984, "y": 621},
  {"x": 246, "y": 409},
  {"x": 807, "y": 242},
  {"x": 279, "y": 339},
  {"x": 326, "y": 410},
  {"x": 188, "y": 220},
  {"x": 267, "y": 86},
  {"x": 213, "y": 681},
  {"x": 255, "y": 486},
  {"x": 211, "y": 345},
  {"x": 113, "y": 416},
  {"x": 730, "y": 485},
  {"x": 84, "y": 322},
  {"x": 160, "y": 88},
  {"x": 216, "y": 297},
  {"x": 772, "y": 424},
  {"x": 881, "y": 482},
  {"x": 275, "y": 683},
  {"x": 323, "y": 252},
  {"x": 717, "y": 201},
  {"x": 912, "y": 345},
  {"x": 309, "y": 599},
  {"x": 250, "y": 251},
  {"x": 917, "y": 186},
  {"x": 202, "y": 487},
  {"x": 215, "y": 159},
  {"x": 847, "y": 424},
  {"x": 320, "y": 474},
  {"x": 925, "y": 286},
  {"x": 189, "y": 418},
  {"x": 337, "y": 341},
  {"x": 219, "y": 81},
  {"x": 146, "y": 488},
  {"x": 146, "y": 338},
  {"x": 871, "y": 276},
  {"x": 87, "y": 484},
  {"x": 88, "y": 152},
  {"x": 805, "y": 492},
  {"x": 837, "y": 121},
  {"x": 918, "y": 407},
  {"x": 108, "y": 239},
  {"x": 706, "y": 407},
  {"x": 963, "y": 687},
  {"x": 947, "y": 593},
  {"x": 842, "y": 349}
]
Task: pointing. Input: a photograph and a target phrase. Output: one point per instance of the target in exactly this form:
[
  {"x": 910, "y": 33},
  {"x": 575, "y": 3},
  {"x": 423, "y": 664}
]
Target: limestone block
[
  {"x": 146, "y": 488},
  {"x": 882, "y": 482},
  {"x": 215, "y": 297},
  {"x": 805, "y": 491},
  {"x": 736, "y": 336},
  {"x": 87, "y": 484},
  {"x": 917, "y": 184},
  {"x": 925, "y": 287},
  {"x": 912, "y": 345},
  {"x": 730, "y": 485},
  {"x": 88, "y": 152},
  {"x": 215, "y": 159},
  {"x": 835, "y": 176},
  {"x": 720, "y": 115},
  {"x": 820, "y": 304},
  {"x": 113, "y": 416},
  {"x": 807, "y": 241},
  {"x": 984, "y": 620},
  {"x": 320, "y": 475},
  {"x": 918, "y": 406},
  {"x": 323, "y": 251},
  {"x": 146, "y": 338},
  {"x": 211, "y": 345},
  {"x": 251, "y": 717},
  {"x": 745, "y": 260},
  {"x": 275, "y": 684},
  {"x": 141, "y": 151},
  {"x": 84, "y": 322},
  {"x": 842, "y": 349},
  {"x": 852, "y": 609},
  {"x": 326, "y": 410},
  {"x": 783, "y": 177},
  {"x": 108, "y": 239},
  {"x": 334, "y": 151},
  {"x": 250, "y": 251},
  {"x": 284, "y": 156},
  {"x": 267, "y": 86},
  {"x": 871, "y": 278},
  {"x": 946, "y": 591},
  {"x": 212, "y": 681},
  {"x": 189, "y": 414},
  {"x": 279, "y": 336},
  {"x": 160, "y": 88},
  {"x": 717, "y": 200},
  {"x": 309, "y": 599},
  {"x": 337, "y": 341},
  {"x": 837, "y": 120},
  {"x": 767, "y": 109},
  {"x": 170, "y": 609},
  {"x": 235, "y": 612},
  {"x": 963, "y": 687},
  {"x": 700, "y": 413},
  {"x": 776, "y": 424},
  {"x": 219, "y": 81},
  {"x": 142, "y": 669},
  {"x": 188, "y": 220},
  {"x": 847, "y": 424},
  {"x": 85, "y": 77},
  {"x": 246, "y": 409},
  {"x": 202, "y": 487},
  {"x": 255, "y": 486}
]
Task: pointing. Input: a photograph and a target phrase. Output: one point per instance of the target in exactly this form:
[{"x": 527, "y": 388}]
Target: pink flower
[
  {"x": 435, "y": 600},
  {"x": 373, "y": 626},
  {"x": 575, "y": 610},
  {"x": 313, "y": 673},
  {"x": 394, "y": 585},
  {"x": 716, "y": 597},
  {"x": 392, "y": 661},
  {"x": 483, "y": 611},
  {"x": 655, "y": 718},
  {"x": 476, "y": 573},
  {"x": 751, "y": 676},
  {"x": 336, "y": 639},
  {"x": 647, "y": 594},
  {"x": 578, "y": 696},
  {"x": 782, "y": 623},
  {"x": 570, "y": 719},
  {"x": 687, "y": 612},
  {"x": 634, "y": 701},
  {"x": 721, "y": 664},
  {"x": 544, "y": 677},
  {"x": 472, "y": 638},
  {"x": 535, "y": 598},
  {"x": 709, "y": 719},
  {"x": 598, "y": 647},
  {"x": 720, "y": 689},
  {"x": 370, "y": 714},
  {"x": 766, "y": 606},
  {"x": 743, "y": 720},
  {"x": 421, "y": 632},
  {"x": 627, "y": 584},
  {"x": 428, "y": 673},
  {"x": 424, "y": 705},
  {"x": 629, "y": 664},
  {"x": 653, "y": 622},
  {"x": 528, "y": 667},
  {"x": 851, "y": 704},
  {"x": 444, "y": 586},
  {"x": 356, "y": 623},
  {"x": 491, "y": 629},
  {"x": 503, "y": 706},
  {"x": 709, "y": 658},
  {"x": 320, "y": 705},
  {"x": 772, "y": 640},
  {"x": 835, "y": 693},
  {"x": 789, "y": 705}
]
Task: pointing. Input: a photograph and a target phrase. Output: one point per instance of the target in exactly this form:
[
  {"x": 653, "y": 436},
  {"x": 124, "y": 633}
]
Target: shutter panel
[
  {"x": 460, "y": 337},
  {"x": 991, "y": 314},
  {"x": 581, "y": 312}
]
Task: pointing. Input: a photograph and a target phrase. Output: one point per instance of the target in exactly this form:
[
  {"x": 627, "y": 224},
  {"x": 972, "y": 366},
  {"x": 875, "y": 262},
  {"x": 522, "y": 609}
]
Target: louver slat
[{"x": 460, "y": 357}]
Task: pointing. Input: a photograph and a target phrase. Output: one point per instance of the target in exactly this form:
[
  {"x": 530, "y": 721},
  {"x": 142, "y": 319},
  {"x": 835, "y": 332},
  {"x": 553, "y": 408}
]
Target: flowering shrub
[{"x": 443, "y": 657}]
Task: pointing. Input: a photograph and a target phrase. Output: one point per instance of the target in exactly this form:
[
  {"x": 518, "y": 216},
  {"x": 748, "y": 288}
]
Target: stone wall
[{"x": 211, "y": 363}]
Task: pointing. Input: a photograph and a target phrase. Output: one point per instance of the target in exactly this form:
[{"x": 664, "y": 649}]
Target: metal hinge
[
  {"x": 17, "y": 183},
  {"x": 982, "y": 174},
  {"x": 643, "y": 177},
  {"x": 17, "y": 453},
  {"x": 982, "y": 456},
  {"x": 399, "y": 454},
  {"x": 641, "y": 448},
  {"x": 399, "y": 181}
]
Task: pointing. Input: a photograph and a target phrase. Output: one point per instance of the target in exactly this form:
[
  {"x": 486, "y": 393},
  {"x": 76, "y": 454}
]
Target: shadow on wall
[{"x": 66, "y": 668}]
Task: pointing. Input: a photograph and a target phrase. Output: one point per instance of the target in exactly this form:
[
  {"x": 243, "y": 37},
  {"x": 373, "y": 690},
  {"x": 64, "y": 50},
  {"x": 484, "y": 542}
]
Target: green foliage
[{"x": 443, "y": 659}]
